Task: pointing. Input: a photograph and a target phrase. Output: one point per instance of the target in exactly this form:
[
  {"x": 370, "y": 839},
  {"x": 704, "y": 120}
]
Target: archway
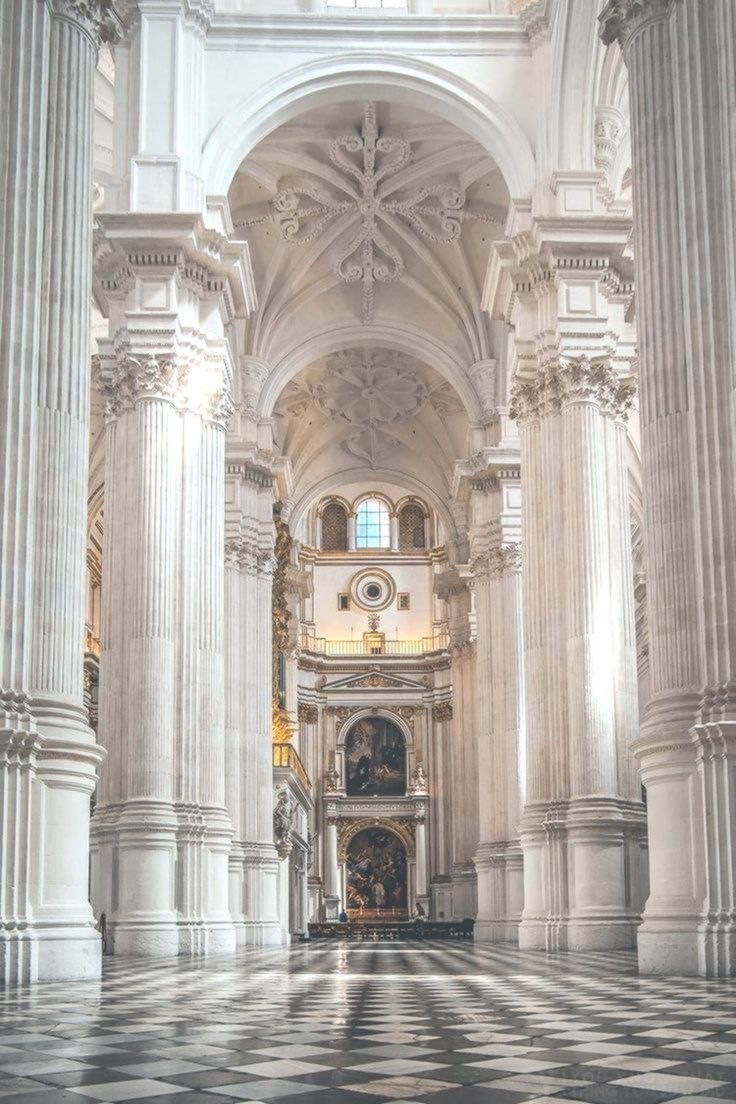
[{"x": 376, "y": 875}]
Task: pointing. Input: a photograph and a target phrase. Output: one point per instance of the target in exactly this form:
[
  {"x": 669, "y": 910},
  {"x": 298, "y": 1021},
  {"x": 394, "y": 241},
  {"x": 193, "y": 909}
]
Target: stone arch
[
  {"x": 368, "y": 75},
  {"x": 352, "y": 828},
  {"x": 403, "y": 339}
]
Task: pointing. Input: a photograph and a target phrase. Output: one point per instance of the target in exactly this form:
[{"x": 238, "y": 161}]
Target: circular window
[{"x": 372, "y": 590}]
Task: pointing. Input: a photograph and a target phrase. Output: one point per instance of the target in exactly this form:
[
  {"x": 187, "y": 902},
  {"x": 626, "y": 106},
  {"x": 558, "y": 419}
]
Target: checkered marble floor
[{"x": 368, "y": 1023}]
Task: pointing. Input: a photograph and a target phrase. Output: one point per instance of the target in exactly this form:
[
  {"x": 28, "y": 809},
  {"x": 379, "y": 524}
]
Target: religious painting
[
  {"x": 375, "y": 866},
  {"x": 375, "y": 759}
]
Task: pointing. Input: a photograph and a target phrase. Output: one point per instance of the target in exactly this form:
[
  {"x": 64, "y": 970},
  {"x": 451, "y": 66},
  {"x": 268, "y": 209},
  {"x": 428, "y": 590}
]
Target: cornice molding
[{"x": 455, "y": 35}]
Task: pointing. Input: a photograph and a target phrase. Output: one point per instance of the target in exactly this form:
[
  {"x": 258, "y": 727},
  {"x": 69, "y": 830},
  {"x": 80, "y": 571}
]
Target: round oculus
[{"x": 372, "y": 590}]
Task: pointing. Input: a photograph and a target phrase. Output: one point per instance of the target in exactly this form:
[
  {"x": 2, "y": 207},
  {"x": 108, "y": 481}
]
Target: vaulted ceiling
[
  {"x": 370, "y": 410},
  {"x": 369, "y": 215}
]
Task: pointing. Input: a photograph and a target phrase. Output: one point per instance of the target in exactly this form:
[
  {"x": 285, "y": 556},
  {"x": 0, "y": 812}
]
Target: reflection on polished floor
[{"x": 361, "y": 1024}]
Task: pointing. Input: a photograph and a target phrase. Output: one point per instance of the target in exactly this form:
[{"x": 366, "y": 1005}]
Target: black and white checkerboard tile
[{"x": 364, "y": 1024}]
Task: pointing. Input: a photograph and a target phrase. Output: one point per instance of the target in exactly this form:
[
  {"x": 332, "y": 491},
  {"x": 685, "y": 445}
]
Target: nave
[{"x": 366, "y": 1023}]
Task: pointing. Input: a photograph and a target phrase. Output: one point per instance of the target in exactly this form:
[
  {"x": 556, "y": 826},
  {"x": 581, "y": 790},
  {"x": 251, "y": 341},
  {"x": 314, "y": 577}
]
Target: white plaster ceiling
[
  {"x": 372, "y": 216},
  {"x": 364, "y": 410}
]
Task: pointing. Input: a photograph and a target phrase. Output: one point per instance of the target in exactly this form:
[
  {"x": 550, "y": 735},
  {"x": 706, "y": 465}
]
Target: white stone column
[
  {"x": 581, "y": 815},
  {"x": 496, "y": 566},
  {"x": 48, "y": 758},
  {"x": 161, "y": 833},
  {"x": 249, "y": 545},
  {"x": 680, "y": 58}
]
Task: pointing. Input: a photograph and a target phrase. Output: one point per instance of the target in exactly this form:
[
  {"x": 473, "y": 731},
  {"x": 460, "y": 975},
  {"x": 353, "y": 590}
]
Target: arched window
[
  {"x": 334, "y": 528},
  {"x": 411, "y": 527},
  {"x": 372, "y": 524}
]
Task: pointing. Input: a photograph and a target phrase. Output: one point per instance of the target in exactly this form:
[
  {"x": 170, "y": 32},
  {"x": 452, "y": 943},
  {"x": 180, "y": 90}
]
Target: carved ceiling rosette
[
  {"x": 366, "y": 210},
  {"x": 370, "y": 392}
]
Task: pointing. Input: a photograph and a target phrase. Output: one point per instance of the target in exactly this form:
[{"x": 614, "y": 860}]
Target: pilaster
[
  {"x": 495, "y": 494},
  {"x": 249, "y": 546},
  {"x": 453, "y": 586}
]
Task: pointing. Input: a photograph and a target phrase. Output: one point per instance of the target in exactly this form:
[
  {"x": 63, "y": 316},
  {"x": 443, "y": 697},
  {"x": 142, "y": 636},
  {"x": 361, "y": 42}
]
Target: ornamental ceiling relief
[{"x": 373, "y": 395}]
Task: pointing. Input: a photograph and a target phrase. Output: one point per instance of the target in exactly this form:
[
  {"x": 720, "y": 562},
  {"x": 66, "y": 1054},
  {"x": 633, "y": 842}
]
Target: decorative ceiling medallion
[
  {"x": 367, "y": 165},
  {"x": 372, "y": 590},
  {"x": 370, "y": 391}
]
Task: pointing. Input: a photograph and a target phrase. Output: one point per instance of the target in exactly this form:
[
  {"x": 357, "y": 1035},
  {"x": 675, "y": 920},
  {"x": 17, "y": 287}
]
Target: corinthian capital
[
  {"x": 132, "y": 379},
  {"x": 621, "y": 19},
  {"x": 98, "y": 19},
  {"x": 244, "y": 554},
  {"x": 503, "y": 559},
  {"x": 572, "y": 380}
]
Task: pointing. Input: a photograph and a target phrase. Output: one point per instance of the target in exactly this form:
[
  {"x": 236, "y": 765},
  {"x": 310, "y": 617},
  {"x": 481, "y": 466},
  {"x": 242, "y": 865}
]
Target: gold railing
[
  {"x": 387, "y": 647},
  {"x": 284, "y": 755}
]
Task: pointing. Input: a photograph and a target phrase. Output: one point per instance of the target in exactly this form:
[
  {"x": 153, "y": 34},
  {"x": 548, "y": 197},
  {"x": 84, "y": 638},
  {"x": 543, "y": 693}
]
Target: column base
[
  {"x": 499, "y": 869},
  {"x": 71, "y": 954},
  {"x": 265, "y": 933},
  {"x": 667, "y": 951},
  {"x": 331, "y": 907},
  {"x": 464, "y": 892},
  {"x": 494, "y": 931},
  {"x": 579, "y": 880},
  {"x": 261, "y": 920},
  {"x": 48, "y": 771},
  {"x": 147, "y": 938},
  {"x": 677, "y": 945}
]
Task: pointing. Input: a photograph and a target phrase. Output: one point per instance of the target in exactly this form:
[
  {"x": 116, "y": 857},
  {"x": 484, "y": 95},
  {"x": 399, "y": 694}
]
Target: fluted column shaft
[
  {"x": 582, "y": 823},
  {"x": 48, "y": 755},
  {"x": 254, "y": 863},
  {"x": 680, "y": 56}
]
